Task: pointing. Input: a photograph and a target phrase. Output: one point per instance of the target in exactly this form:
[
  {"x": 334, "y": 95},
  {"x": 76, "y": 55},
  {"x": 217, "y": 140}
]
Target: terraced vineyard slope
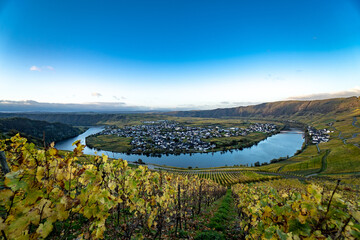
[{"x": 227, "y": 177}]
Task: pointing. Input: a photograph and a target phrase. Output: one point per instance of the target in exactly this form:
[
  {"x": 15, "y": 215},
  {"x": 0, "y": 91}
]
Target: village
[
  {"x": 165, "y": 136},
  {"x": 318, "y": 136}
]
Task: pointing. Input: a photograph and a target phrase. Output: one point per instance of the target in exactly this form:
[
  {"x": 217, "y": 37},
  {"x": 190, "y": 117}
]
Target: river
[{"x": 286, "y": 143}]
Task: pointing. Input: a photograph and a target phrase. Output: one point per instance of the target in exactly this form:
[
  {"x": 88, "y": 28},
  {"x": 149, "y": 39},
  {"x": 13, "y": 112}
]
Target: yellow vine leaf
[
  {"x": 356, "y": 215},
  {"x": 40, "y": 173},
  {"x": 5, "y": 195},
  {"x": 44, "y": 229},
  {"x": 267, "y": 212},
  {"x": 2, "y": 224}
]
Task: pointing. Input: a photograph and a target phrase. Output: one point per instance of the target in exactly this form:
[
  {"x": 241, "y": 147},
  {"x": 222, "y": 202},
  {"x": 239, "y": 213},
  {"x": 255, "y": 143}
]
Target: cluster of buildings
[
  {"x": 318, "y": 136},
  {"x": 262, "y": 127},
  {"x": 165, "y": 136}
]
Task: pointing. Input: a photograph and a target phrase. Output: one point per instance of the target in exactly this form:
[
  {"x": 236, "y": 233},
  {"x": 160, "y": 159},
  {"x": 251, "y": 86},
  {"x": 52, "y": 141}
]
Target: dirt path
[
  {"x": 353, "y": 136},
  {"x": 354, "y": 122}
]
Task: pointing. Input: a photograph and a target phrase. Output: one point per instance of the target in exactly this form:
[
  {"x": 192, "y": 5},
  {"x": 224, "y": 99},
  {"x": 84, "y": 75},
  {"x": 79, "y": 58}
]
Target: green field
[
  {"x": 340, "y": 155},
  {"x": 109, "y": 143},
  {"x": 238, "y": 142},
  {"x": 308, "y": 160},
  {"x": 138, "y": 119},
  {"x": 343, "y": 158}
]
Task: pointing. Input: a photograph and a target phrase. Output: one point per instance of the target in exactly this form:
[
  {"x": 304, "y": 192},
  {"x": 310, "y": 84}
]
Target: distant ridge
[
  {"x": 274, "y": 110},
  {"x": 74, "y": 119},
  {"x": 35, "y": 129},
  {"x": 279, "y": 109}
]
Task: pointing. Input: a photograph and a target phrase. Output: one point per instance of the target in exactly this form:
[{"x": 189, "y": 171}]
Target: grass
[
  {"x": 355, "y": 140},
  {"x": 346, "y": 128},
  {"x": 343, "y": 158},
  {"x": 223, "y": 122},
  {"x": 207, "y": 213},
  {"x": 302, "y": 163},
  {"x": 308, "y": 157},
  {"x": 238, "y": 142},
  {"x": 109, "y": 143},
  {"x": 137, "y": 119},
  {"x": 221, "y": 224}
]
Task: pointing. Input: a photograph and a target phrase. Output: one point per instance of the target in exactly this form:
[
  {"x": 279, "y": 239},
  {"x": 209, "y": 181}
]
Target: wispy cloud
[
  {"x": 35, "y": 68},
  {"x": 273, "y": 77},
  {"x": 30, "y": 106},
  {"x": 50, "y": 68},
  {"x": 119, "y": 98},
  {"x": 96, "y": 94},
  {"x": 317, "y": 96},
  {"x": 209, "y": 106},
  {"x": 40, "y": 69}
]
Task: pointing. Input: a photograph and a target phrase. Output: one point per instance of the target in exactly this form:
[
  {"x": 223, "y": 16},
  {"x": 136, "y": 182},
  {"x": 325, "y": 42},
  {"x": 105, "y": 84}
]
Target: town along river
[{"x": 284, "y": 144}]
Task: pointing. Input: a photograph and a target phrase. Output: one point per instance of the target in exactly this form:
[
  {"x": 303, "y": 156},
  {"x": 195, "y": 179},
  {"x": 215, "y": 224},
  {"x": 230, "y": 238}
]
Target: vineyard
[
  {"x": 47, "y": 194},
  {"x": 227, "y": 177},
  {"x": 290, "y": 209}
]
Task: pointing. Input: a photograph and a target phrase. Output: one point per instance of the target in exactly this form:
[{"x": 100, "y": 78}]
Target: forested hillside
[
  {"x": 34, "y": 129},
  {"x": 75, "y": 119}
]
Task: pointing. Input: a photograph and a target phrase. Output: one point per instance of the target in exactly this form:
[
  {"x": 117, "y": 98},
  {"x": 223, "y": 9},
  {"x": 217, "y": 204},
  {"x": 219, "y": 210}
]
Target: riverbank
[
  {"x": 117, "y": 144},
  {"x": 279, "y": 145}
]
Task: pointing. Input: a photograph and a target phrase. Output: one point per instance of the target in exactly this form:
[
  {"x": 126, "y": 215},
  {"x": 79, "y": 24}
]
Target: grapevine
[
  {"x": 289, "y": 209},
  {"x": 44, "y": 189}
]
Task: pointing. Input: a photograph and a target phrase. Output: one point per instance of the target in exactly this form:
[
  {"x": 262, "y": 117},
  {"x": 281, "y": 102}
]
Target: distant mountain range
[
  {"x": 281, "y": 109},
  {"x": 300, "y": 110}
]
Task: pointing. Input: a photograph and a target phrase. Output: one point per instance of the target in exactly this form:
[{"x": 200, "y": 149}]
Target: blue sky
[{"x": 178, "y": 53}]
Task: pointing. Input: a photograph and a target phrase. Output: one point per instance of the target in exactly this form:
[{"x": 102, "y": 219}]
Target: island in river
[
  {"x": 281, "y": 145},
  {"x": 171, "y": 137}
]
